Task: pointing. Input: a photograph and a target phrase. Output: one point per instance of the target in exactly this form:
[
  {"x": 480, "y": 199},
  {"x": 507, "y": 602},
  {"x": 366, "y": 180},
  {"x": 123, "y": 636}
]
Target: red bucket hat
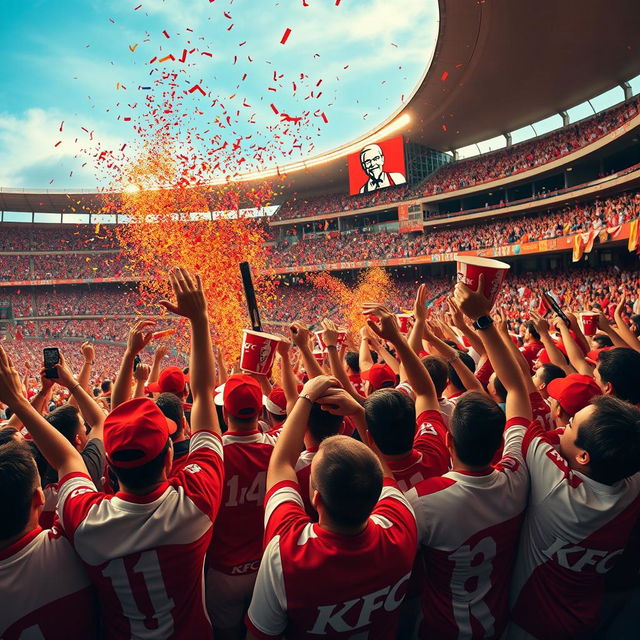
[{"x": 170, "y": 380}]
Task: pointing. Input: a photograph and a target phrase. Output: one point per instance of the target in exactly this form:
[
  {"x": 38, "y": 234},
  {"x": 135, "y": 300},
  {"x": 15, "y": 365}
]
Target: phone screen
[{"x": 51, "y": 358}]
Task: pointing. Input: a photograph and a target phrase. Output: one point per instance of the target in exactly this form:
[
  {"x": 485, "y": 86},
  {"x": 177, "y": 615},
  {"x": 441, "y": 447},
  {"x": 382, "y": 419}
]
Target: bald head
[{"x": 348, "y": 477}]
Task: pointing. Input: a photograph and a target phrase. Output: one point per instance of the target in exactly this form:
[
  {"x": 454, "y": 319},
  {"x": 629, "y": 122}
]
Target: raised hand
[
  {"x": 540, "y": 323},
  {"x": 190, "y": 301},
  {"x": 319, "y": 386},
  {"x": 88, "y": 352},
  {"x": 300, "y": 335},
  {"x": 472, "y": 303},
  {"x": 339, "y": 402},
  {"x": 387, "y": 326},
  {"x": 142, "y": 372},
  {"x": 65, "y": 375},
  {"x": 419, "y": 308},
  {"x": 330, "y": 335},
  {"x": 283, "y": 347},
  {"x": 140, "y": 335},
  {"x": 10, "y": 383}
]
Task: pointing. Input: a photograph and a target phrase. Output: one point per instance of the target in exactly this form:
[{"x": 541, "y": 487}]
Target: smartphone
[
  {"x": 51, "y": 359},
  {"x": 136, "y": 362},
  {"x": 554, "y": 303}
]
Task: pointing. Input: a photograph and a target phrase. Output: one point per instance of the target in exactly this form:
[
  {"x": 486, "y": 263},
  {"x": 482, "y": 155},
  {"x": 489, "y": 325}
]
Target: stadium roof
[{"x": 498, "y": 65}]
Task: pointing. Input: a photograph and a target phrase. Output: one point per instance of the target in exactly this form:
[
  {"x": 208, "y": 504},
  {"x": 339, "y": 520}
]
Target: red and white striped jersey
[
  {"x": 314, "y": 583},
  {"x": 468, "y": 531},
  {"x": 574, "y": 530},
  {"x": 236, "y": 545},
  {"x": 46, "y": 592},
  {"x": 145, "y": 554},
  {"x": 541, "y": 411},
  {"x": 429, "y": 456}
]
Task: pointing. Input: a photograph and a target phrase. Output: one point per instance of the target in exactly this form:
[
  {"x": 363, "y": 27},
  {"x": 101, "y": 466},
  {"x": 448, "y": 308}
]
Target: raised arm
[
  {"x": 474, "y": 305},
  {"x": 39, "y": 401},
  {"x": 575, "y": 354},
  {"x": 300, "y": 336},
  {"x": 417, "y": 374},
  {"x": 191, "y": 303},
  {"x": 156, "y": 364},
  {"x": 289, "y": 381},
  {"x": 282, "y": 465},
  {"x": 625, "y": 333},
  {"x": 605, "y": 325},
  {"x": 93, "y": 415},
  {"x": 365, "y": 361},
  {"x": 140, "y": 336},
  {"x": 56, "y": 449},
  {"x": 141, "y": 376},
  {"x": 330, "y": 338},
  {"x": 452, "y": 356},
  {"x": 555, "y": 355},
  {"x": 521, "y": 361},
  {"x": 459, "y": 323}
]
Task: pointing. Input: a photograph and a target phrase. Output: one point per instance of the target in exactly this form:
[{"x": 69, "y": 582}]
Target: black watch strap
[{"x": 483, "y": 322}]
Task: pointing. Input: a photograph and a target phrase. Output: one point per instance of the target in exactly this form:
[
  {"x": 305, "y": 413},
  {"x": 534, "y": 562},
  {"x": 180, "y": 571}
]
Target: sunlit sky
[{"x": 82, "y": 62}]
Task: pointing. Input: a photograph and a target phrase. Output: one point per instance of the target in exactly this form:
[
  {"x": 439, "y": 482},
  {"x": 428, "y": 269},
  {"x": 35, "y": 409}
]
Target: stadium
[{"x": 519, "y": 143}]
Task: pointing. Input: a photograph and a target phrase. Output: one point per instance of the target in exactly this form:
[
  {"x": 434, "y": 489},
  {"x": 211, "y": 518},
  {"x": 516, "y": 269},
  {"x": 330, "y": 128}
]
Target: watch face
[{"x": 483, "y": 322}]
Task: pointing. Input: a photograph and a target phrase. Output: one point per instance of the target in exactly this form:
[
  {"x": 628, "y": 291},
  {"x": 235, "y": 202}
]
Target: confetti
[
  {"x": 133, "y": 48},
  {"x": 285, "y": 36},
  {"x": 274, "y": 109},
  {"x": 444, "y": 76},
  {"x": 197, "y": 87},
  {"x": 61, "y": 125},
  {"x": 58, "y": 143},
  {"x": 136, "y": 8},
  {"x": 166, "y": 35}
]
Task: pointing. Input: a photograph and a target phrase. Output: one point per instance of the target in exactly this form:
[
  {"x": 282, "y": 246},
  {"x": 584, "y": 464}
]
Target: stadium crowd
[
  {"x": 466, "y": 173},
  {"x": 324, "y": 499},
  {"x": 356, "y": 245},
  {"x": 68, "y": 238}
]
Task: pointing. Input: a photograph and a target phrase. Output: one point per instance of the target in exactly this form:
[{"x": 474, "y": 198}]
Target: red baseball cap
[
  {"x": 136, "y": 432},
  {"x": 380, "y": 376},
  {"x": 276, "y": 402},
  {"x": 242, "y": 396},
  {"x": 595, "y": 354},
  {"x": 574, "y": 392},
  {"x": 170, "y": 380}
]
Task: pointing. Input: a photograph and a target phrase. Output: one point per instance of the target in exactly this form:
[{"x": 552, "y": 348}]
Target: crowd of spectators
[
  {"x": 466, "y": 173},
  {"x": 356, "y": 245},
  {"x": 59, "y": 238}
]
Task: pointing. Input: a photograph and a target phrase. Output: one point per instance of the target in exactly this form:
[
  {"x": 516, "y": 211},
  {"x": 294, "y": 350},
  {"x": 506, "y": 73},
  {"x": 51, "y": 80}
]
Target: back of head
[
  {"x": 66, "y": 419},
  {"x": 353, "y": 361},
  {"x": 322, "y": 424},
  {"x": 348, "y": 477},
  {"x": 499, "y": 388},
  {"x": 531, "y": 328},
  {"x": 171, "y": 407},
  {"x": 549, "y": 372},
  {"x": 468, "y": 362},
  {"x": 105, "y": 385},
  {"x": 620, "y": 367},
  {"x": 476, "y": 426},
  {"x": 602, "y": 340},
  {"x": 18, "y": 481},
  {"x": 611, "y": 436},
  {"x": 391, "y": 421},
  {"x": 439, "y": 372}
]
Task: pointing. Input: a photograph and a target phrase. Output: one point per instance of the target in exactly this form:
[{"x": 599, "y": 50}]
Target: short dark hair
[
  {"x": 635, "y": 321},
  {"x": 391, "y": 420},
  {"x": 439, "y": 372},
  {"x": 611, "y": 437},
  {"x": 7, "y": 434},
  {"x": 501, "y": 391},
  {"x": 476, "y": 426},
  {"x": 171, "y": 407},
  {"x": 18, "y": 480},
  {"x": 322, "y": 424},
  {"x": 105, "y": 385},
  {"x": 531, "y": 328},
  {"x": 145, "y": 475},
  {"x": 602, "y": 340},
  {"x": 96, "y": 392},
  {"x": 468, "y": 362},
  {"x": 348, "y": 477},
  {"x": 620, "y": 367},
  {"x": 65, "y": 419},
  {"x": 353, "y": 360},
  {"x": 549, "y": 372}
]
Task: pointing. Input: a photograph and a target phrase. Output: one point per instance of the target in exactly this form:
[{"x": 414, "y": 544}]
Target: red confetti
[
  {"x": 227, "y": 15},
  {"x": 136, "y": 8},
  {"x": 444, "y": 76},
  {"x": 206, "y": 53},
  {"x": 444, "y": 127},
  {"x": 153, "y": 60},
  {"x": 183, "y": 57},
  {"x": 273, "y": 108},
  {"x": 133, "y": 48},
  {"x": 285, "y": 36},
  {"x": 169, "y": 57},
  {"x": 323, "y": 116},
  {"x": 197, "y": 87},
  {"x": 166, "y": 35},
  {"x": 61, "y": 125},
  {"x": 58, "y": 143}
]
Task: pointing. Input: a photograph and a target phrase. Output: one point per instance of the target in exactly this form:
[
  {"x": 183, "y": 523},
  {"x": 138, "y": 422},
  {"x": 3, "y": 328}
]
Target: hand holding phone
[
  {"x": 51, "y": 359},
  {"x": 554, "y": 303}
]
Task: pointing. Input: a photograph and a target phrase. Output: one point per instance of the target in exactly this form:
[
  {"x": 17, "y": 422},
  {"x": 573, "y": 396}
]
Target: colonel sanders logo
[{"x": 372, "y": 162}]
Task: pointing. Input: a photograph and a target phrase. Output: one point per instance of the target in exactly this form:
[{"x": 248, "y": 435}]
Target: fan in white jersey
[
  {"x": 585, "y": 501},
  {"x": 365, "y": 532},
  {"x": 145, "y": 547},
  {"x": 468, "y": 519},
  {"x": 45, "y": 591}
]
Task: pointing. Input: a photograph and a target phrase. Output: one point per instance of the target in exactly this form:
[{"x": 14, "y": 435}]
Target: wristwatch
[{"x": 483, "y": 322}]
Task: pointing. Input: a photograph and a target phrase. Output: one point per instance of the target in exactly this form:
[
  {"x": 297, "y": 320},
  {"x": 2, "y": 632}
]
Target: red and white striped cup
[
  {"x": 258, "y": 352},
  {"x": 470, "y": 267},
  {"x": 404, "y": 321},
  {"x": 342, "y": 336}
]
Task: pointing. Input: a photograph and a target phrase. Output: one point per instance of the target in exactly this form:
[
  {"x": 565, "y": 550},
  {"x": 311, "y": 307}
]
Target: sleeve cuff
[
  {"x": 281, "y": 485},
  {"x": 257, "y": 633}
]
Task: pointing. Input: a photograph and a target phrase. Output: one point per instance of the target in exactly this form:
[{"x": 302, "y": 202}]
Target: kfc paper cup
[
  {"x": 589, "y": 323},
  {"x": 404, "y": 322},
  {"x": 470, "y": 267},
  {"x": 258, "y": 352},
  {"x": 318, "y": 354},
  {"x": 342, "y": 336}
]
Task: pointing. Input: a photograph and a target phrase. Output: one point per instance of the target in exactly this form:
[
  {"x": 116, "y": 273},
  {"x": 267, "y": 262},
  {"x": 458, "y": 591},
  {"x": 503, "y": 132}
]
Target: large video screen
[{"x": 377, "y": 166}]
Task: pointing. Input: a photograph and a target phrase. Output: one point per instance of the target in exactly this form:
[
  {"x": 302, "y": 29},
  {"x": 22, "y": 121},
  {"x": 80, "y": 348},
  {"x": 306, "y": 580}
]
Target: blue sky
[{"x": 62, "y": 61}]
